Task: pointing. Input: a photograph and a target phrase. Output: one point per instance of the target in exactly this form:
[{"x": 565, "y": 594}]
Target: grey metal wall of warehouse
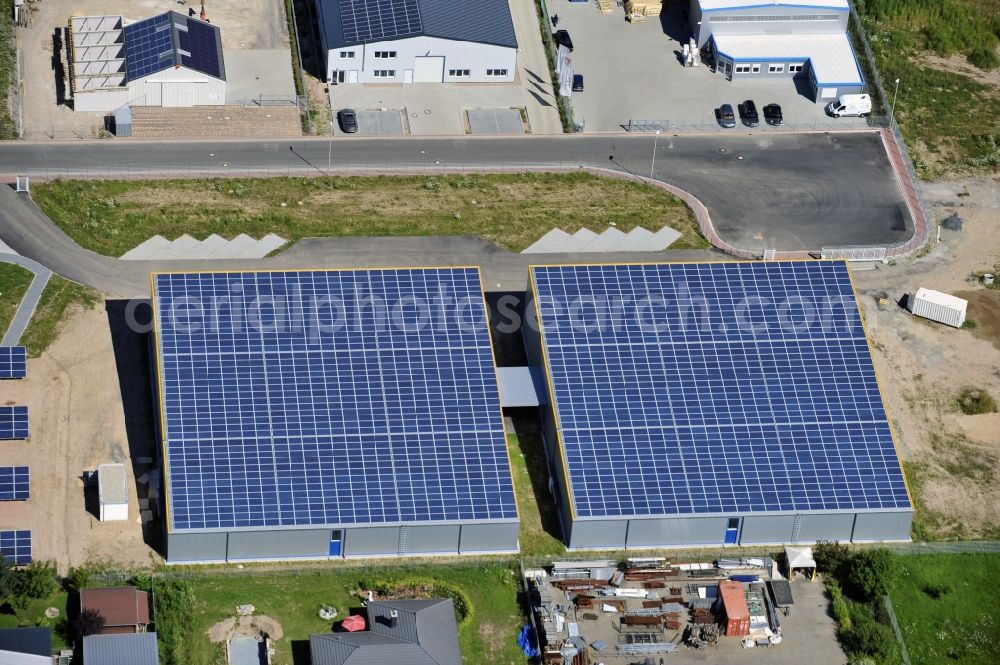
[
  {"x": 278, "y": 544},
  {"x": 702, "y": 26},
  {"x": 882, "y": 526}
]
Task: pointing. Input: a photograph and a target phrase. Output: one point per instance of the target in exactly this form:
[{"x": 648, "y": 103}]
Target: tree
[
  {"x": 870, "y": 573},
  {"x": 8, "y": 579},
  {"x": 90, "y": 622},
  {"x": 37, "y": 580},
  {"x": 830, "y": 556}
]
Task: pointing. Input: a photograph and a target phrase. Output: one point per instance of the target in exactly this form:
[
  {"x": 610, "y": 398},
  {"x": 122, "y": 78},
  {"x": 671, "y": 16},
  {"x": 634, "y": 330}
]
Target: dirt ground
[
  {"x": 77, "y": 422},
  {"x": 951, "y": 459},
  {"x": 249, "y": 25},
  {"x": 246, "y": 626}
]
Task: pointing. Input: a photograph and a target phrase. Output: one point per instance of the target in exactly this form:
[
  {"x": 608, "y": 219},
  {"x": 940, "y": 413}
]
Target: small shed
[
  {"x": 125, "y": 609},
  {"x": 112, "y": 489},
  {"x": 735, "y": 612},
  {"x": 941, "y": 307},
  {"x": 800, "y": 558}
]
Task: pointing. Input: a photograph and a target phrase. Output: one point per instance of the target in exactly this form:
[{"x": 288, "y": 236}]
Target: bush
[
  {"x": 984, "y": 58},
  {"x": 830, "y": 556},
  {"x": 935, "y": 591},
  {"x": 975, "y": 401},
  {"x": 870, "y": 573},
  {"x": 870, "y": 639},
  {"x": 89, "y": 622},
  {"x": 174, "y": 602},
  {"x": 37, "y": 580}
]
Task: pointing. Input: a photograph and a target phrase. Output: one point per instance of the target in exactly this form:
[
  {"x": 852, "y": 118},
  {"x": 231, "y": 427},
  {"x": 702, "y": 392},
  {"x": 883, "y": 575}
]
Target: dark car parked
[
  {"x": 577, "y": 82},
  {"x": 348, "y": 120},
  {"x": 726, "y": 117},
  {"x": 563, "y": 39},
  {"x": 748, "y": 113},
  {"x": 772, "y": 115}
]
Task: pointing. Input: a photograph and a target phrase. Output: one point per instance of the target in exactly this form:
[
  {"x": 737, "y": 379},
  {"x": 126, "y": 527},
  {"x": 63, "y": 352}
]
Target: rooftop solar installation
[
  {"x": 374, "y": 20},
  {"x": 149, "y": 46},
  {"x": 16, "y": 546},
  {"x": 199, "y": 43},
  {"x": 318, "y": 398},
  {"x": 13, "y": 362},
  {"x": 13, "y": 483},
  {"x": 13, "y": 422},
  {"x": 715, "y": 388}
]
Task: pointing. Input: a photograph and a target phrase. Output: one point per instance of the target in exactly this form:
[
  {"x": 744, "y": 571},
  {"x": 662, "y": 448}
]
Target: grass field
[
  {"x": 514, "y": 210},
  {"x": 946, "y": 606},
  {"x": 14, "y": 281},
  {"x": 487, "y": 635},
  {"x": 34, "y": 615},
  {"x": 58, "y": 299},
  {"x": 539, "y": 520}
]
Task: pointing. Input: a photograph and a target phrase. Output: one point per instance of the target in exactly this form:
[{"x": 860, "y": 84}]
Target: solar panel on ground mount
[
  {"x": 13, "y": 422},
  {"x": 16, "y": 546},
  {"x": 13, "y": 483},
  {"x": 13, "y": 362},
  {"x": 299, "y": 420},
  {"x": 149, "y": 46},
  {"x": 374, "y": 20},
  {"x": 715, "y": 388}
]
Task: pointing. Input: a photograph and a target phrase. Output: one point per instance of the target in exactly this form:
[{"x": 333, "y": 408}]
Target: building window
[
  {"x": 775, "y": 69},
  {"x": 742, "y": 69},
  {"x": 795, "y": 68},
  {"x": 756, "y": 69},
  {"x": 346, "y": 55},
  {"x": 384, "y": 73},
  {"x": 496, "y": 72},
  {"x": 458, "y": 73},
  {"x": 385, "y": 55}
]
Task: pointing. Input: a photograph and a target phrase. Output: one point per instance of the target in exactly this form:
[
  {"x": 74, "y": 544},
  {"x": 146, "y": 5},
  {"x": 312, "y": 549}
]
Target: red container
[{"x": 736, "y": 614}]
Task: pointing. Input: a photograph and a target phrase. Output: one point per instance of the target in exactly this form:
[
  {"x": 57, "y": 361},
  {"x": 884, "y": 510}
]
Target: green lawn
[
  {"x": 58, "y": 300},
  {"x": 487, "y": 635},
  {"x": 514, "y": 210},
  {"x": 14, "y": 281},
  {"x": 962, "y": 624},
  {"x": 7, "y": 66},
  {"x": 540, "y": 530},
  {"x": 34, "y": 615}
]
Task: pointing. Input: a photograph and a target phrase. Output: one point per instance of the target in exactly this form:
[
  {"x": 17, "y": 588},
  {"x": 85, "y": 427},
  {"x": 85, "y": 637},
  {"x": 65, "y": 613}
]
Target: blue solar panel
[
  {"x": 149, "y": 46},
  {"x": 715, "y": 388},
  {"x": 200, "y": 48},
  {"x": 374, "y": 20},
  {"x": 13, "y": 362},
  {"x": 13, "y": 422},
  {"x": 319, "y": 398},
  {"x": 13, "y": 483},
  {"x": 16, "y": 546}
]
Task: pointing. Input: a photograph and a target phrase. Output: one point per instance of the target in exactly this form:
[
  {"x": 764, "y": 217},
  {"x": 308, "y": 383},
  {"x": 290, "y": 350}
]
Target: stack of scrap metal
[
  {"x": 571, "y": 569},
  {"x": 579, "y": 584},
  {"x": 699, "y": 635},
  {"x": 702, "y": 615}
]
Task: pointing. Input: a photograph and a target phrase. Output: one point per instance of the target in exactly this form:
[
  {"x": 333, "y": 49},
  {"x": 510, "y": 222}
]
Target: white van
[{"x": 859, "y": 105}]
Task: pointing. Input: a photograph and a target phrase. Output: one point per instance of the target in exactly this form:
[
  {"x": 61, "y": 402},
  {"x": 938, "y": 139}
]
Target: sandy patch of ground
[
  {"x": 951, "y": 458},
  {"x": 77, "y": 422},
  {"x": 246, "y": 626},
  {"x": 958, "y": 63}
]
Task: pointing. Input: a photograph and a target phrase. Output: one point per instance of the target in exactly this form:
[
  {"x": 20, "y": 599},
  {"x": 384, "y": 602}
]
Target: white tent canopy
[{"x": 799, "y": 557}]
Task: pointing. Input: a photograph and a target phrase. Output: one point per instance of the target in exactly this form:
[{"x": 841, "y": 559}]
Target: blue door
[
  {"x": 732, "y": 531},
  {"x": 336, "y": 538}
]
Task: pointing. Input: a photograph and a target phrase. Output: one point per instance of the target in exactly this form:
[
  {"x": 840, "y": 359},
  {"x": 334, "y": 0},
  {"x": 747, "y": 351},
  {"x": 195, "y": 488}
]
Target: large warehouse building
[
  {"x": 804, "y": 39},
  {"x": 715, "y": 403},
  {"x": 328, "y": 414},
  {"x": 417, "y": 41}
]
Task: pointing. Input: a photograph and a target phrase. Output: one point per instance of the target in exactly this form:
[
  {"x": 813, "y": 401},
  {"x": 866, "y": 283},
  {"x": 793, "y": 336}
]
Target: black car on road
[
  {"x": 772, "y": 115},
  {"x": 577, "y": 82},
  {"x": 748, "y": 113},
  {"x": 726, "y": 117},
  {"x": 348, "y": 120},
  {"x": 563, "y": 39}
]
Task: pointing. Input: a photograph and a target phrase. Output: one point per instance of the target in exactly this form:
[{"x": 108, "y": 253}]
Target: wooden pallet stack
[
  {"x": 636, "y": 11},
  {"x": 606, "y": 6}
]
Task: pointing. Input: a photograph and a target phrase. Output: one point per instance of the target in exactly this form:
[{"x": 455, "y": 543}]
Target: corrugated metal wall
[{"x": 177, "y": 87}]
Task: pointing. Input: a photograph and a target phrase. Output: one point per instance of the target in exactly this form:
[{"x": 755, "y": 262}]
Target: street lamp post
[
  {"x": 652, "y": 164},
  {"x": 894, "y": 93}
]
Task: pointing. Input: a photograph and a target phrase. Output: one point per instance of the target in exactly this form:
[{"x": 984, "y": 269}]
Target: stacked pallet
[
  {"x": 606, "y": 6},
  {"x": 642, "y": 8}
]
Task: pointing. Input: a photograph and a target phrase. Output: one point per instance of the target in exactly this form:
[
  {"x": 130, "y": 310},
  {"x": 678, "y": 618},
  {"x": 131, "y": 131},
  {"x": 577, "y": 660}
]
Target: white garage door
[
  {"x": 428, "y": 69},
  {"x": 177, "y": 93}
]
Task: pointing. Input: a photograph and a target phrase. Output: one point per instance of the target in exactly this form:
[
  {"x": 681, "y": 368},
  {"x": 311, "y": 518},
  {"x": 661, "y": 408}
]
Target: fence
[
  {"x": 300, "y": 75},
  {"x": 709, "y": 123},
  {"x": 895, "y": 629}
]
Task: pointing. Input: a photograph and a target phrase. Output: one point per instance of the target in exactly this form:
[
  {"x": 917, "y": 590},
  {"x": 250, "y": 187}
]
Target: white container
[
  {"x": 112, "y": 489},
  {"x": 940, "y": 307}
]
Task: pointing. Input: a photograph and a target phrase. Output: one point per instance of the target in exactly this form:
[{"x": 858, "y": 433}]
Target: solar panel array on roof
[
  {"x": 13, "y": 362},
  {"x": 272, "y": 423},
  {"x": 715, "y": 388},
  {"x": 16, "y": 546},
  {"x": 13, "y": 483},
  {"x": 13, "y": 422},
  {"x": 149, "y": 46},
  {"x": 199, "y": 48},
  {"x": 373, "y": 20}
]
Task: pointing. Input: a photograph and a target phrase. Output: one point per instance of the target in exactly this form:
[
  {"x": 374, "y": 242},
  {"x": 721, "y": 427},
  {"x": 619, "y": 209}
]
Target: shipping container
[
  {"x": 940, "y": 307},
  {"x": 735, "y": 613}
]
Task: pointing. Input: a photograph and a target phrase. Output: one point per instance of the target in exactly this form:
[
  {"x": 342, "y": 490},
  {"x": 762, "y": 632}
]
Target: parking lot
[{"x": 634, "y": 72}]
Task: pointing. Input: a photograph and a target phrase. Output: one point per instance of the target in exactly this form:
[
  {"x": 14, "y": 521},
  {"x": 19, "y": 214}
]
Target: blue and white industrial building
[
  {"x": 417, "y": 41},
  {"x": 713, "y": 404},
  {"x": 329, "y": 414},
  {"x": 795, "y": 39}
]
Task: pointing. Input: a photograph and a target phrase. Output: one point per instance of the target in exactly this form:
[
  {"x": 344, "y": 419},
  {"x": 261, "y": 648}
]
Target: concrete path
[{"x": 31, "y": 297}]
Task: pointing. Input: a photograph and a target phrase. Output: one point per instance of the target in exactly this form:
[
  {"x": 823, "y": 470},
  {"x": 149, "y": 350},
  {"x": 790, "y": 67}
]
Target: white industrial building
[
  {"x": 795, "y": 39},
  {"x": 166, "y": 60},
  {"x": 417, "y": 41}
]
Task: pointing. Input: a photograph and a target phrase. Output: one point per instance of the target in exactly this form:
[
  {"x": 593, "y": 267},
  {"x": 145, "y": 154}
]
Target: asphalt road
[{"x": 784, "y": 191}]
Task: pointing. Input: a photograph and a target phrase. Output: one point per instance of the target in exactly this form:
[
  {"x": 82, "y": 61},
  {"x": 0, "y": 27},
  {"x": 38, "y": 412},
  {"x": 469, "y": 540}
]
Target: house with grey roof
[
  {"x": 415, "y": 632},
  {"x": 417, "y": 41},
  {"x": 121, "y": 649}
]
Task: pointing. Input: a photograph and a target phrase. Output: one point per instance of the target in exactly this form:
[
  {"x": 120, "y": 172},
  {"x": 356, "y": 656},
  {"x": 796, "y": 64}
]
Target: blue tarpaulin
[
  {"x": 526, "y": 640},
  {"x": 744, "y": 578}
]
